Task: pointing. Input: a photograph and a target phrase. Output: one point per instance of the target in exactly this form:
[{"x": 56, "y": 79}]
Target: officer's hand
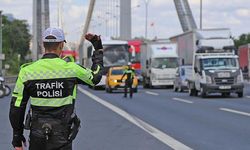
[
  {"x": 18, "y": 142},
  {"x": 90, "y": 37},
  {"x": 95, "y": 40}
]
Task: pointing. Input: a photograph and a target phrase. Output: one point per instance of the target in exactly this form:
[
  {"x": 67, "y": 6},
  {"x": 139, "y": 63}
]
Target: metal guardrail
[{"x": 10, "y": 79}]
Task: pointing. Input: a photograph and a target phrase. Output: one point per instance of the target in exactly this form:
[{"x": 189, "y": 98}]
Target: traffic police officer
[
  {"x": 129, "y": 73},
  {"x": 51, "y": 85}
]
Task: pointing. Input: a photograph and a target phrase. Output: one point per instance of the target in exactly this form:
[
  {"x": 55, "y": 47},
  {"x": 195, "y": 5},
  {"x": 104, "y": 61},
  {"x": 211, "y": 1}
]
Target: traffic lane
[
  {"x": 104, "y": 129},
  {"x": 239, "y": 103},
  {"x": 186, "y": 122},
  {"x": 213, "y": 100},
  {"x": 6, "y": 130}
]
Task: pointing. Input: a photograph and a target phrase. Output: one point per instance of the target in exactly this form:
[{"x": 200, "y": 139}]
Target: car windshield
[
  {"x": 219, "y": 63},
  {"x": 164, "y": 63},
  {"x": 115, "y": 55},
  {"x": 117, "y": 72}
]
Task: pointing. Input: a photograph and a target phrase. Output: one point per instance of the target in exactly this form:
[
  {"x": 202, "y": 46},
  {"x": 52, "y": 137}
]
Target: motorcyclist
[{"x": 51, "y": 85}]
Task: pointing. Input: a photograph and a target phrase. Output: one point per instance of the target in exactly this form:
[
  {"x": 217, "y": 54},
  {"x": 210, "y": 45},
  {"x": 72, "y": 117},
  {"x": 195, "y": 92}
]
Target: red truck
[
  {"x": 134, "y": 53},
  {"x": 135, "y": 56},
  {"x": 244, "y": 57}
]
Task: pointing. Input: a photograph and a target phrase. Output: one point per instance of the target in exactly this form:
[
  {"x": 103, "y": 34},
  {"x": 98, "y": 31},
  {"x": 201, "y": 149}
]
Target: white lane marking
[
  {"x": 182, "y": 100},
  {"x": 152, "y": 93},
  {"x": 236, "y": 111},
  {"x": 161, "y": 136},
  {"x": 247, "y": 96}
]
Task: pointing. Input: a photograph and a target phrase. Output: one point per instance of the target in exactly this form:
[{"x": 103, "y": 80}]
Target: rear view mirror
[{"x": 195, "y": 69}]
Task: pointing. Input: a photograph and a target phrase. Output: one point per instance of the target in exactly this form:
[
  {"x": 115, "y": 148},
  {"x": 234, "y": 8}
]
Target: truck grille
[
  {"x": 165, "y": 78},
  {"x": 224, "y": 81}
]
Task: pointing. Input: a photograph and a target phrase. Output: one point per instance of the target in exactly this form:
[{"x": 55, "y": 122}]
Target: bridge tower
[
  {"x": 40, "y": 23},
  {"x": 125, "y": 19},
  {"x": 185, "y": 15}
]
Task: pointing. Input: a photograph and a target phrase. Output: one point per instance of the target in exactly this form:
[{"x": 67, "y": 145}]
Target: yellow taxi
[{"x": 113, "y": 80}]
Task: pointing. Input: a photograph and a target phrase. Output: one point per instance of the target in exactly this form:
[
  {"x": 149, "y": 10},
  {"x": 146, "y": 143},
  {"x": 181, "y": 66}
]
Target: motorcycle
[{"x": 4, "y": 89}]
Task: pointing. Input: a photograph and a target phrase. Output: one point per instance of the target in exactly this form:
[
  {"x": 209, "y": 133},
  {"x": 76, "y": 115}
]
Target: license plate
[
  {"x": 223, "y": 74},
  {"x": 122, "y": 84},
  {"x": 224, "y": 87}
]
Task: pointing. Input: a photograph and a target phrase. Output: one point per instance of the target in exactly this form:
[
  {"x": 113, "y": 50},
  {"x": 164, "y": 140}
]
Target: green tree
[
  {"x": 243, "y": 39},
  {"x": 16, "y": 39}
]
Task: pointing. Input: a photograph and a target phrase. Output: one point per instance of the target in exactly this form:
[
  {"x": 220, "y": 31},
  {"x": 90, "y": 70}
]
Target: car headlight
[
  {"x": 239, "y": 78},
  {"x": 113, "y": 80},
  {"x": 208, "y": 79}
]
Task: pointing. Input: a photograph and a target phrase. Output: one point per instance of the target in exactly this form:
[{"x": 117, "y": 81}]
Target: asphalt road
[{"x": 154, "y": 119}]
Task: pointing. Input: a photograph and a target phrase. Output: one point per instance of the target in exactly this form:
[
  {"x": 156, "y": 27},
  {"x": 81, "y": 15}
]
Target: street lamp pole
[
  {"x": 200, "y": 14},
  {"x": 146, "y": 19}
]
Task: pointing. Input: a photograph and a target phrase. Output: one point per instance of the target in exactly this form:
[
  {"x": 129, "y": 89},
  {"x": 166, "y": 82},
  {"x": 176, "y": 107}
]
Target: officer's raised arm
[{"x": 96, "y": 72}]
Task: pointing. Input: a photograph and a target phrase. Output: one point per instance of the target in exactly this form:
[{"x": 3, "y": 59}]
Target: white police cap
[{"x": 55, "y": 32}]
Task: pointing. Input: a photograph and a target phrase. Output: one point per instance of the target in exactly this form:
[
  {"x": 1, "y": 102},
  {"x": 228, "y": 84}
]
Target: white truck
[
  {"x": 159, "y": 61},
  {"x": 215, "y": 66}
]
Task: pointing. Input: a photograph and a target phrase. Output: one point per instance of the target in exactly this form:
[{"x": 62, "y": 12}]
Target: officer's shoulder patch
[
  {"x": 69, "y": 59},
  {"x": 26, "y": 64}
]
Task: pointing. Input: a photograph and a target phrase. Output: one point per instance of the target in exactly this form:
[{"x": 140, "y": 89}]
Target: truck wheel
[
  {"x": 240, "y": 94},
  {"x": 191, "y": 89},
  {"x": 150, "y": 85},
  {"x": 192, "y": 92},
  {"x": 180, "y": 89},
  {"x": 203, "y": 93},
  {"x": 195, "y": 92},
  {"x": 145, "y": 85},
  {"x": 175, "y": 88}
]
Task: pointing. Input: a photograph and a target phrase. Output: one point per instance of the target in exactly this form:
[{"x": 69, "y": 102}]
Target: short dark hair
[{"x": 50, "y": 45}]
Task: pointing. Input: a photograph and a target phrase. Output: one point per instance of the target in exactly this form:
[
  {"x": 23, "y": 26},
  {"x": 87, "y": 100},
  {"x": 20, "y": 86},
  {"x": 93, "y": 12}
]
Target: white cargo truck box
[{"x": 159, "y": 61}]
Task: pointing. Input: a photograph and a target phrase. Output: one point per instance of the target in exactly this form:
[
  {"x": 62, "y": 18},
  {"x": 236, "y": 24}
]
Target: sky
[{"x": 233, "y": 14}]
